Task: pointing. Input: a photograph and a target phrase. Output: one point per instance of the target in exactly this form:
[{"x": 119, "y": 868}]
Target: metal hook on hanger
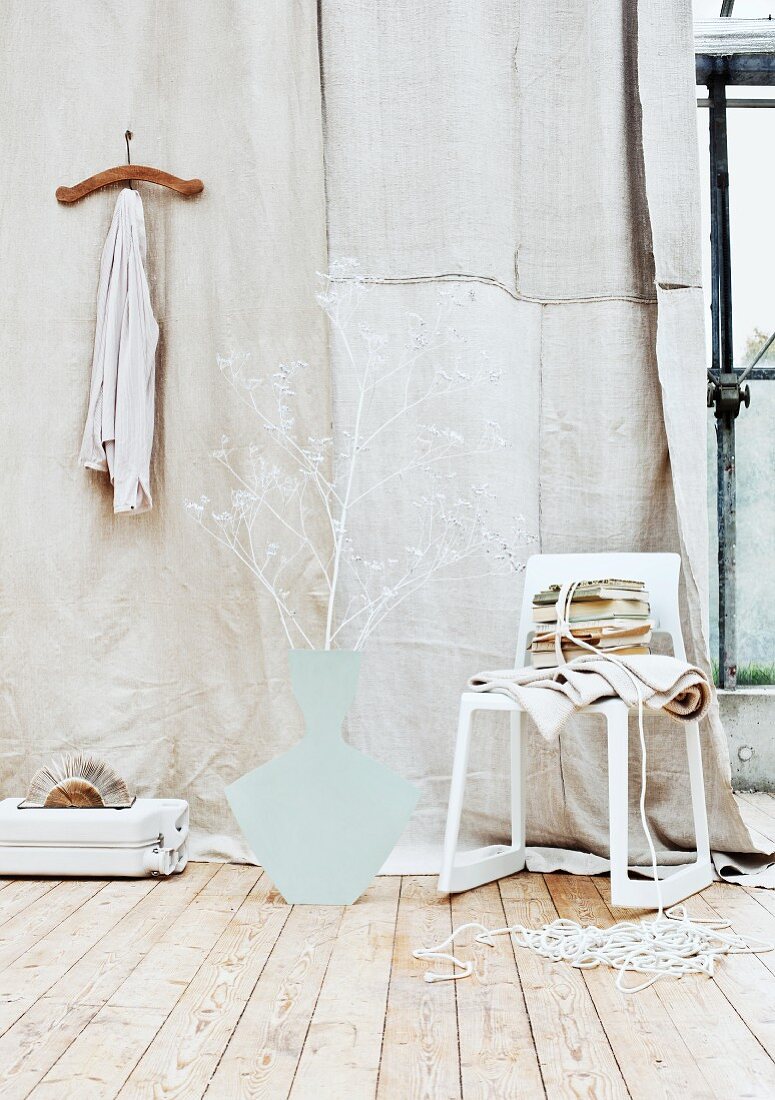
[{"x": 127, "y": 139}]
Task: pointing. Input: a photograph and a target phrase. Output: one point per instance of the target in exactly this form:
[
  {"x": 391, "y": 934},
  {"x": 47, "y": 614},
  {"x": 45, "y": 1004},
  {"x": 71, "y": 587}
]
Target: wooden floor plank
[
  {"x": 38, "y": 1039},
  {"x": 99, "y": 973},
  {"x": 764, "y": 801},
  {"x": 31, "y": 1047},
  {"x": 34, "y": 972},
  {"x": 139, "y": 1006},
  {"x": 745, "y": 980},
  {"x": 25, "y": 930},
  {"x": 497, "y": 1055},
  {"x": 573, "y": 1049},
  {"x": 745, "y": 912},
  {"x": 96, "y": 1070},
  {"x": 651, "y": 1054},
  {"x": 18, "y": 894},
  {"x": 420, "y": 1055},
  {"x": 343, "y": 1045},
  {"x": 758, "y": 821},
  {"x": 763, "y": 896},
  {"x": 729, "y": 1056},
  {"x": 263, "y": 1053},
  {"x": 182, "y": 1057},
  {"x": 171, "y": 964}
]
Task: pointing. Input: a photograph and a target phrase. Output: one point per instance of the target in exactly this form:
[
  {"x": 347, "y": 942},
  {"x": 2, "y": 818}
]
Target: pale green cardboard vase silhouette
[{"x": 322, "y": 818}]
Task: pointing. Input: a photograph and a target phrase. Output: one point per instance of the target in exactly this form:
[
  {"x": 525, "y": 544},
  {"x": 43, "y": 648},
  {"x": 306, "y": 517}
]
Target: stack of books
[{"x": 611, "y": 615}]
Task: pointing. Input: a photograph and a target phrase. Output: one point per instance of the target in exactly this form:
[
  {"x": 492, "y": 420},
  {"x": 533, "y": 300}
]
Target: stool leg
[
  {"x": 677, "y": 883},
  {"x": 457, "y": 791},
  {"x": 697, "y": 785},
  {"x": 517, "y": 780},
  {"x": 618, "y": 802}
]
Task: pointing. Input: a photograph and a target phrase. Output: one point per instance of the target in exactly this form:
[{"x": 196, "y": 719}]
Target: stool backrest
[{"x": 659, "y": 572}]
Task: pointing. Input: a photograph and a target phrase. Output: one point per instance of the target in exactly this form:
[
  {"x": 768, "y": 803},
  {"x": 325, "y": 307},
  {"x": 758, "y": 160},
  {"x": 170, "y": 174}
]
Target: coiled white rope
[{"x": 669, "y": 945}]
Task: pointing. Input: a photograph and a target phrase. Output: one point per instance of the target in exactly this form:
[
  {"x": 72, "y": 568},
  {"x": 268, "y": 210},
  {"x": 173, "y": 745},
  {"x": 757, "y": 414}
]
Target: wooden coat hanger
[{"x": 126, "y": 173}]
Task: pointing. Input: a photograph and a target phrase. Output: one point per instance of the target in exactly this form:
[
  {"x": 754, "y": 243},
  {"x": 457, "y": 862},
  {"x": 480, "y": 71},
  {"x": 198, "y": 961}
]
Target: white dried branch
[{"x": 452, "y": 527}]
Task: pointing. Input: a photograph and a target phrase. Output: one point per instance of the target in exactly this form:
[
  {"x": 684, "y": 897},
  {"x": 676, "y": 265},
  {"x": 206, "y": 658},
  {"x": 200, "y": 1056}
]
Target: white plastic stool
[{"x": 463, "y": 871}]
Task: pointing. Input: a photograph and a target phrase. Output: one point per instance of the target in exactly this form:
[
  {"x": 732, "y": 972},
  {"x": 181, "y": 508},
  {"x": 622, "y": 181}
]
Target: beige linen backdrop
[{"x": 536, "y": 158}]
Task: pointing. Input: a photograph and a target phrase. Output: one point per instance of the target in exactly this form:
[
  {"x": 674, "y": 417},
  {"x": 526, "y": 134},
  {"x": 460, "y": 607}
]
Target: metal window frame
[{"x": 727, "y": 392}]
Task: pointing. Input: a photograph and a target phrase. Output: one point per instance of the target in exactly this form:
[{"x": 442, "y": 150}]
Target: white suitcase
[{"x": 147, "y": 838}]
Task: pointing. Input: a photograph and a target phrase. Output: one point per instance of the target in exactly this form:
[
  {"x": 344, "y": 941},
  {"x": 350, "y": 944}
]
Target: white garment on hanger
[{"x": 118, "y": 436}]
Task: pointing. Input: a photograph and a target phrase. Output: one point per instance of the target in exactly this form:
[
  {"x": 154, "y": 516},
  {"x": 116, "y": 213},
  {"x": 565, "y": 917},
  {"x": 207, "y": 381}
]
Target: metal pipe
[
  {"x": 720, "y": 185},
  {"x": 753, "y": 374},
  {"x": 760, "y": 374},
  {"x": 726, "y": 508},
  {"x": 740, "y": 103},
  {"x": 723, "y": 363},
  {"x": 714, "y": 255},
  {"x": 753, "y": 70}
]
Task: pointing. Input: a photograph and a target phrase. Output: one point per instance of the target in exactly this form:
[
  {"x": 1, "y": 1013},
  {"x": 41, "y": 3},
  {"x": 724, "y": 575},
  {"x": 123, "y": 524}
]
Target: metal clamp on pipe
[{"x": 727, "y": 394}]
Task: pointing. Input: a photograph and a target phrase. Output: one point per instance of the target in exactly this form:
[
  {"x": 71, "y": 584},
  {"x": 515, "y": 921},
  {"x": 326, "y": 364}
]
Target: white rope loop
[
  {"x": 438, "y": 954},
  {"x": 669, "y": 945}
]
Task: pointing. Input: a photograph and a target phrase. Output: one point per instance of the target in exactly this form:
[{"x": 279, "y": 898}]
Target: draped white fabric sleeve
[{"x": 118, "y": 436}]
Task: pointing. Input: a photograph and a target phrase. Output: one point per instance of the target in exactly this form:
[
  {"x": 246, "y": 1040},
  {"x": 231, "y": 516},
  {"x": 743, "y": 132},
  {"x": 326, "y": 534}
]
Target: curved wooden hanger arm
[{"x": 126, "y": 172}]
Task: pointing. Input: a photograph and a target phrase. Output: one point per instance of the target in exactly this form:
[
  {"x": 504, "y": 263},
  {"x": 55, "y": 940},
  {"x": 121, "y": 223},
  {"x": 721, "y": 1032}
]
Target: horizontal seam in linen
[{"x": 453, "y": 276}]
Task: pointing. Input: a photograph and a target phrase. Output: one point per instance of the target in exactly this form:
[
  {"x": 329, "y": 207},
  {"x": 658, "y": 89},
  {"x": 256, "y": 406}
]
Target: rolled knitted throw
[{"x": 551, "y": 695}]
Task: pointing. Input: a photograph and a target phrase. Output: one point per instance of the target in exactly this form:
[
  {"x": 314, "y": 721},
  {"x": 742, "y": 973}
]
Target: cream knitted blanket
[{"x": 551, "y": 695}]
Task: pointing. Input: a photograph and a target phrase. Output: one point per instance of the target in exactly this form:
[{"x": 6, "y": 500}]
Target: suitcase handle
[{"x": 165, "y": 861}]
